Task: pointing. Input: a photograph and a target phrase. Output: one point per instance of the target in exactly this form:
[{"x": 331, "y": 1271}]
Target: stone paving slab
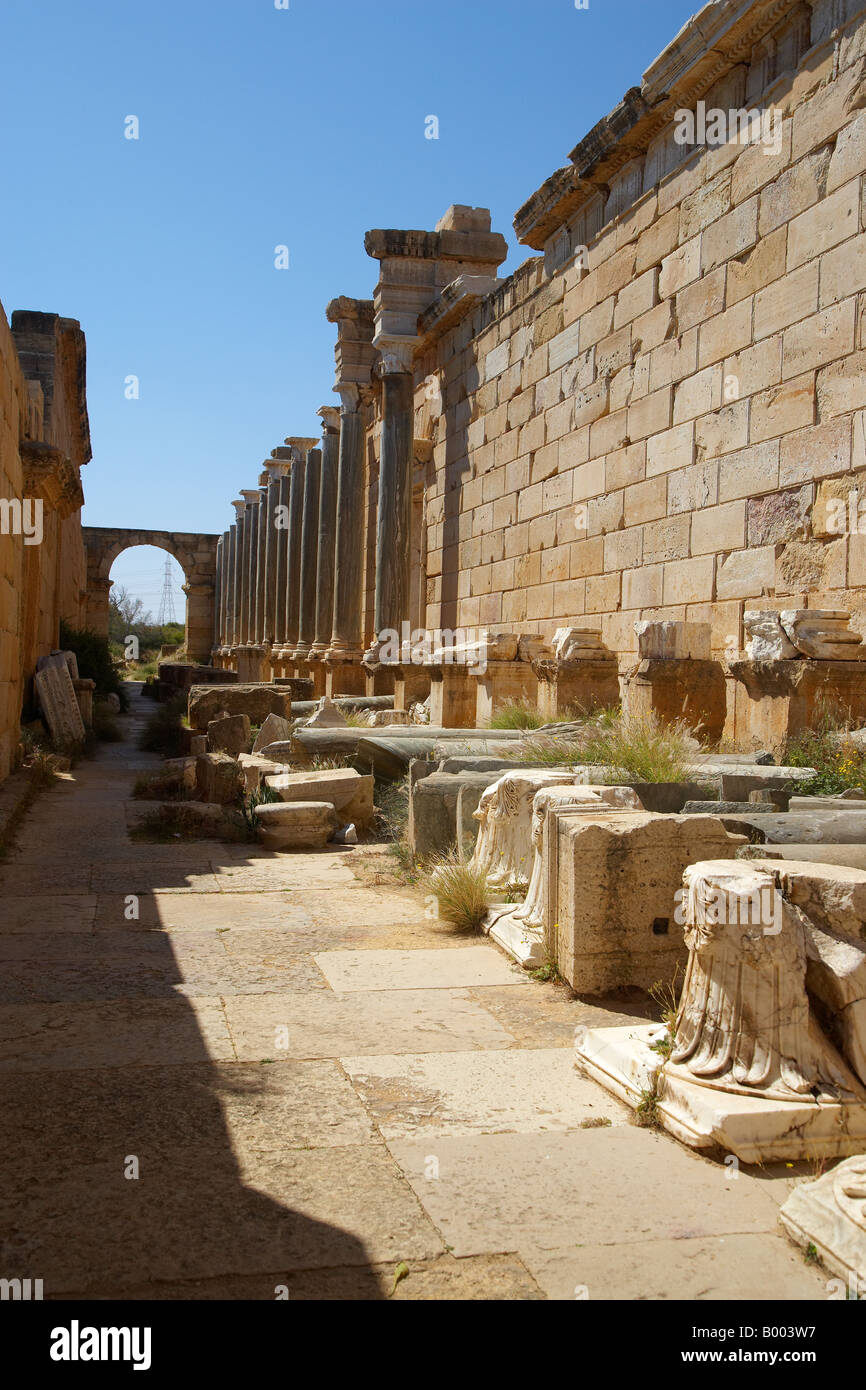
[
  {"x": 35, "y": 1037},
  {"x": 141, "y": 965},
  {"x": 308, "y": 1209},
  {"x": 348, "y": 971},
  {"x": 710, "y": 1268},
  {"x": 597, "y": 1181},
  {"x": 133, "y": 876},
  {"x": 212, "y": 1116},
  {"x": 73, "y": 913},
  {"x": 33, "y": 880},
  {"x": 172, "y": 911},
  {"x": 547, "y": 1015},
  {"x": 490, "y": 1277},
  {"x": 331, "y": 1025},
  {"x": 480, "y": 1093}
]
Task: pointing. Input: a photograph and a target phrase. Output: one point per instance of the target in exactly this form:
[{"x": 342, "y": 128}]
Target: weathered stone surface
[
  {"x": 611, "y": 915},
  {"x": 766, "y": 639},
  {"x": 325, "y": 716},
  {"x": 219, "y": 778},
  {"x": 520, "y": 929},
  {"x": 823, "y": 634},
  {"x": 673, "y": 641},
  {"x": 829, "y": 1216},
  {"x": 255, "y": 769},
  {"x": 296, "y": 824},
  {"x": 349, "y": 792},
  {"x": 751, "y": 1069},
  {"x": 229, "y": 733},
  {"x": 255, "y": 701},
  {"x": 56, "y": 695},
  {"x": 274, "y": 729}
]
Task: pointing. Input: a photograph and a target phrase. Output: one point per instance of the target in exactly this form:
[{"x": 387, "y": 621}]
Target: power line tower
[{"x": 166, "y": 603}]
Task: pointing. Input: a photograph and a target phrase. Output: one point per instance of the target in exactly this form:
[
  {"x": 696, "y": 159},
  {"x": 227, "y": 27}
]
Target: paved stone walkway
[{"x": 318, "y": 1085}]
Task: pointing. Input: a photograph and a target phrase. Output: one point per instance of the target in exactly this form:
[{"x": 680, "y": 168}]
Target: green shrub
[{"x": 95, "y": 662}]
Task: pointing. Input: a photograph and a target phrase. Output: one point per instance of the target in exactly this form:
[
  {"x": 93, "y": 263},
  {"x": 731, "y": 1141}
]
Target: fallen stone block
[
  {"x": 803, "y": 827},
  {"x": 274, "y": 730},
  {"x": 255, "y": 701},
  {"x": 229, "y": 733},
  {"x": 218, "y": 778},
  {"x": 57, "y": 700},
  {"x": 349, "y": 792},
  {"x": 326, "y": 716},
  {"x": 823, "y": 634},
  {"x": 255, "y": 769},
  {"x": 841, "y": 856},
  {"x": 296, "y": 824}
]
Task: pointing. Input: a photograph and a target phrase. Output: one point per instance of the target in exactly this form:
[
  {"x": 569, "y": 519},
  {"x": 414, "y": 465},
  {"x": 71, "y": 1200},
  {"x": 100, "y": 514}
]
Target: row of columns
[{"x": 289, "y": 570}]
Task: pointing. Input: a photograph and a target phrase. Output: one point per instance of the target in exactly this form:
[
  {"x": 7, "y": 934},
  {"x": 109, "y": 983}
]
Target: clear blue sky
[{"x": 259, "y": 127}]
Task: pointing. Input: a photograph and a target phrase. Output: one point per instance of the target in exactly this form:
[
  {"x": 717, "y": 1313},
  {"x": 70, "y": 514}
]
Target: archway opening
[{"x": 147, "y": 609}]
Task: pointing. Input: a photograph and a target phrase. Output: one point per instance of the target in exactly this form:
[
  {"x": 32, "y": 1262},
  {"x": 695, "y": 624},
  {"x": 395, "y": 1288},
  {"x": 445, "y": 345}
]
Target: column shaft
[
  {"x": 346, "y": 634},
  {"x": 293, "y": 564},
  {"x": 309, "y": 547},
  {"x": 262, "y": 539},
  {"x": 327, "y": 540},
  {"x": 281, "y": 534},
  {"x": 394, "y": 515},
  {"x": 271, "y": 534}
]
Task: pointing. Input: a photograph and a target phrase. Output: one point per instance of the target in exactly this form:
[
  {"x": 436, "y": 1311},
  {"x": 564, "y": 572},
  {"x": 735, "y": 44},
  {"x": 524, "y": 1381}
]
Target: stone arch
[{"x": 196, "y": 555}]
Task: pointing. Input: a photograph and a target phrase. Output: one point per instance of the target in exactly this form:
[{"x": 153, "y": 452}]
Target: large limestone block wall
[
  {"x": 14, "y": 410},
  {"x": 44, "y": 441},
  {"x": 655, "y": 429}
]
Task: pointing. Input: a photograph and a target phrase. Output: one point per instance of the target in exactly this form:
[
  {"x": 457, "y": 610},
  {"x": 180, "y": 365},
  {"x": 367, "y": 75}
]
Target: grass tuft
[{"x": 462, "y": 893}]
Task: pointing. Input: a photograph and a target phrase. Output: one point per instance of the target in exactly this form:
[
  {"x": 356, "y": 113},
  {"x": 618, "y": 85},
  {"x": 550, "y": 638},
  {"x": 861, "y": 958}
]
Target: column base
[
  {"x": 344, "y": 678},
  {"x": 583, "y": 688},
  {"x": 501, "y": 682},
  {"x": 317, "y": 673},
  {"x": 688, "y": 689},
  {"x": 452, "y": 697},
  {"x": 411, "y": 686}
]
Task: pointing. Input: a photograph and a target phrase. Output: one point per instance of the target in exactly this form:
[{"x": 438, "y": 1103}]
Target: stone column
[
  {"x": 394, "y": 512},
  {"x": 299, "y": 448},
  {"x": 327, "y": 535},
  {"x": 269, "y": 553},
  {"x": 237, "y": 554},
  {"x": 199, "y": 620},
  {"x": 354, "y": 354},
  {"x": 261, "y": 559},
  {"x": 309, "y": 547},
  {"x": 281, "y": 537},
  {"x": 218, "y": 609}
]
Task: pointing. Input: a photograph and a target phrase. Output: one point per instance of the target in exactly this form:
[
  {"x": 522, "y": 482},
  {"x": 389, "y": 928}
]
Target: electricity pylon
[{"x": 166, "y": 604}]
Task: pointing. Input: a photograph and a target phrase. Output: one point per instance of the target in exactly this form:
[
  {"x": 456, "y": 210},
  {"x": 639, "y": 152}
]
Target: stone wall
[
  {"x": 44, "y": 441},
  {"x": 14, "y": 411},
  {"x": 654, "y": 430},
  {"x": 659, "y": 416}
]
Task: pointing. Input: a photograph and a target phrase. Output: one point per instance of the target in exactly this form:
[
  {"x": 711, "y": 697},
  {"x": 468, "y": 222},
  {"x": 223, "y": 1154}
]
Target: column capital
[
  {"x": 250, "y": 496},
  {"x": 350, "y": 397},
  {"x": 240, "y": 506},
  {"x": 330, "y": 417},
  {"x": 394, "y": 356}
]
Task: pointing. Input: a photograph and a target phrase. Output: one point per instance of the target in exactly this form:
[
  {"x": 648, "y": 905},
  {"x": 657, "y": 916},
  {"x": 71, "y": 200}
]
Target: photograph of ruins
[{"x": 458, "y": 892}]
